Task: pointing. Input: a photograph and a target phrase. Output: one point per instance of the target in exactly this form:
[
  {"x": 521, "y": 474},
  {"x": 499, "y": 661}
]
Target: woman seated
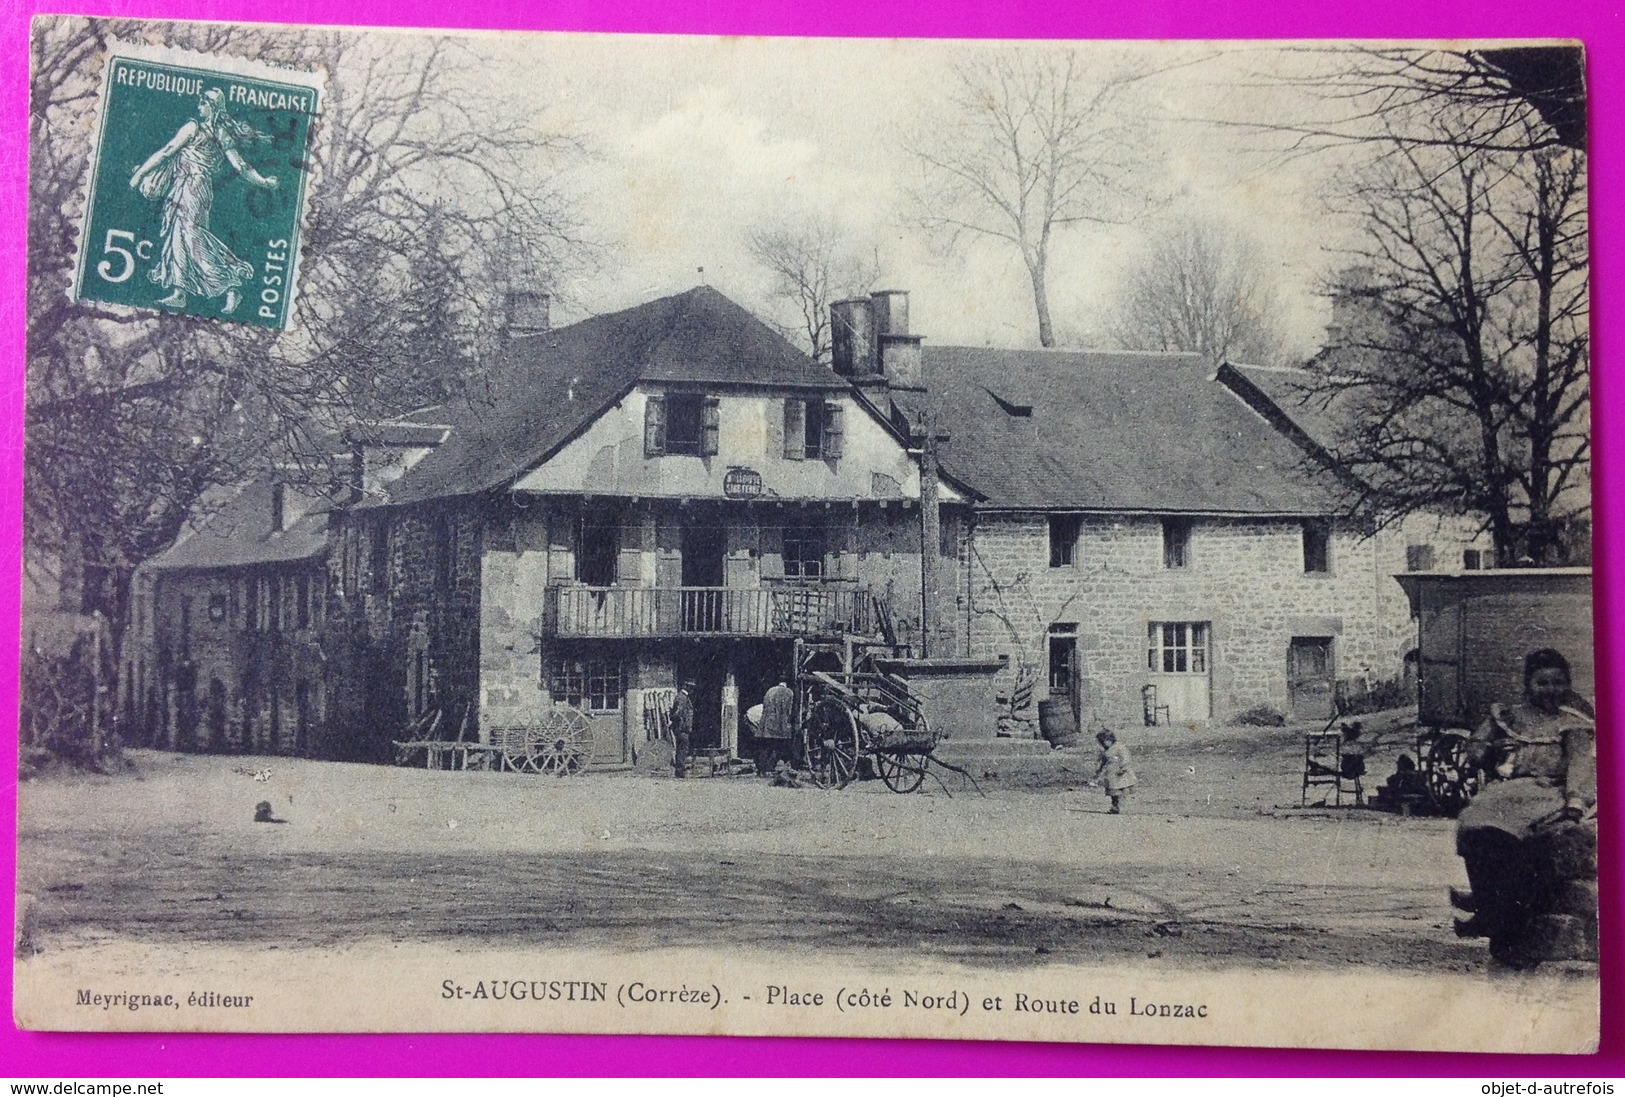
[{"x": 1529, "y": 838}]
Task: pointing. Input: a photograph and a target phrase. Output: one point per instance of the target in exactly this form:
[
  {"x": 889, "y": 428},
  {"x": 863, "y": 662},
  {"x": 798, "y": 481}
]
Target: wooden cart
[
  {"x": 852, "y": 714},
  {"x": 558, "y": 743}
]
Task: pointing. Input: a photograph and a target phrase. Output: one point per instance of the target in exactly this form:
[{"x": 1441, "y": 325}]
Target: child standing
[{"x": 1116, "y": 771}]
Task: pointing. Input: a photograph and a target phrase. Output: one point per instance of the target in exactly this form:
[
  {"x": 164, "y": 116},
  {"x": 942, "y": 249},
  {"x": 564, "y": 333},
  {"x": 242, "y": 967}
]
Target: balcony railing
[{"x": 708, "y": 611}]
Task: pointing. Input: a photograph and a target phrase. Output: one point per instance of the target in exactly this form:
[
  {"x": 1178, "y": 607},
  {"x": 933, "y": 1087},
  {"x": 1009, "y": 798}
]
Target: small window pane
[{"x": 1063, "y": 540}]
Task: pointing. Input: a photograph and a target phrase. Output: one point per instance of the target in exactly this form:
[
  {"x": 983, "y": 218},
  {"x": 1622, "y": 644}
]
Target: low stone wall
[{"x": 956, "y": 695}]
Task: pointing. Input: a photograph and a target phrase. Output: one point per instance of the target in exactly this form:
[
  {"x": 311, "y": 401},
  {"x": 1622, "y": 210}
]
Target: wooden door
[{"x": 1309, "y": 676}]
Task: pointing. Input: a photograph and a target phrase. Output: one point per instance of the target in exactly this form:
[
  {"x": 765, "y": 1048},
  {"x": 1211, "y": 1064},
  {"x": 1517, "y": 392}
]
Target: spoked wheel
[
  {"x": 832, "y": 743},
  {"x": 902, "y": 772},
  {"x": 1451, "y": 779},
  {"x": 562, "y": 745}
]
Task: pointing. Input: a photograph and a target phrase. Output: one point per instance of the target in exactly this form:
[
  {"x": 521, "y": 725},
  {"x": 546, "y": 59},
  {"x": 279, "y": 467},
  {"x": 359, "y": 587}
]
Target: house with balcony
[{"x": 669, "y": 492}]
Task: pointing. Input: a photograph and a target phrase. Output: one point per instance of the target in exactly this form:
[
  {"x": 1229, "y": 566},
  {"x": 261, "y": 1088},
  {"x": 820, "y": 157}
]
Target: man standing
[
  {"x": 682, "y": 726},
  {"x": 778, "y": 724}
]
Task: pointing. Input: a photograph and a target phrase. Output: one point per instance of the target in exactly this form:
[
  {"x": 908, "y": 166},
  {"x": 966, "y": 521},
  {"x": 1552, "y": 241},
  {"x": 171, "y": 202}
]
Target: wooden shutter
[
  {"x": 654, "y": 427},
  {"x": 795, "y": 430},
  {"x": 772, "y": 558},
  {"x": 561, "y": 543},
  {"x": 833, "y": 426},
  {"x": 711, "y": 417}
]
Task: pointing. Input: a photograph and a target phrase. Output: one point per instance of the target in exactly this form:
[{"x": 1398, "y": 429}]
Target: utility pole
[{"x": 930, "y": 533}]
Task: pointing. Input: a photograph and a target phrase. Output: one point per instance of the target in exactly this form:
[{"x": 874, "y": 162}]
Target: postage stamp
[{"x": 197, "y": 186}]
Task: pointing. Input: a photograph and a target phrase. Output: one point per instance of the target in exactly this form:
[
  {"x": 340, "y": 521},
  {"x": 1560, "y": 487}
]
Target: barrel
[{"x": 1056, "y": 722}]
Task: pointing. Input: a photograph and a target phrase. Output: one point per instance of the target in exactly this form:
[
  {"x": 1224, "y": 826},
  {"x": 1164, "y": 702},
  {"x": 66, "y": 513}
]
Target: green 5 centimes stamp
[{"x": 198, "y": 185}]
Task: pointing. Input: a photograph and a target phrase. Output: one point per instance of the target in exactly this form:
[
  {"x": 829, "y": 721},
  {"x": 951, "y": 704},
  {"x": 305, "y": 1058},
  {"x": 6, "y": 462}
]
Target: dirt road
[{"x": 168, "y": 852}]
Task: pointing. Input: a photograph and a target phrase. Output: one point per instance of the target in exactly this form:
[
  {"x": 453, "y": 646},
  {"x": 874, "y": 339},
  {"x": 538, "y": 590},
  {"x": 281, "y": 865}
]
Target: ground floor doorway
[
  {"x": 729, "y": 678},
  {"x": 1309, "y": 676}
]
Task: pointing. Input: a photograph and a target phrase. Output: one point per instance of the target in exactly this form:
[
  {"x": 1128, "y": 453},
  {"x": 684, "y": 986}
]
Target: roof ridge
[{"x": 1182, "y": 355}]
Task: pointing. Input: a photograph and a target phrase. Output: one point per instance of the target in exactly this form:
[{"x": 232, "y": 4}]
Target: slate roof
[
  {"x": 1287, "y": 389},
  {"x": 399, "y": 433},
  {"x": 1065, "y": 430},
  {"x": 239, "y": 533},
  {"x": 547, "y": 387}
]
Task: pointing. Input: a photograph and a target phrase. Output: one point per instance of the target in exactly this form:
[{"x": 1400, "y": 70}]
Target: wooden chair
[
  {"x": 1324, "y": 763},
  {"x": 1154, "y": 713}
]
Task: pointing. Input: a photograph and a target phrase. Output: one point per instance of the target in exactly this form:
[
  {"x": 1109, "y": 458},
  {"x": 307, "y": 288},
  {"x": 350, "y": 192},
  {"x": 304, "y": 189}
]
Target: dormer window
[
  {"x": 681, "y": 423},
  {"x": 812, "y": 430}
]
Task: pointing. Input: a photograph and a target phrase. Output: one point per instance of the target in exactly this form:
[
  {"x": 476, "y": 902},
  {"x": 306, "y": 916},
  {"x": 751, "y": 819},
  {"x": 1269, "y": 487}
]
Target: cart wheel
[
  {"x": 1452, "y": 781},
  {"x": 832, "y": 743},
  {"x": 902, "y": 772},
  {"x": 562, "y": 745}
]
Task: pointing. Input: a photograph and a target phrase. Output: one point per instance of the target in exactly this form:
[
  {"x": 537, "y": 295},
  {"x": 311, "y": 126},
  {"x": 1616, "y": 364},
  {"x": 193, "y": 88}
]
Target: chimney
[
  {"x": 902, "y": 361},
  {"x": 900, "y": 354},
  {"x": 891, "y": 311},
  {"x": 279, "y": 500},
  {"x": 525, "y": 312},
  {"x": 852, "y": 339}
]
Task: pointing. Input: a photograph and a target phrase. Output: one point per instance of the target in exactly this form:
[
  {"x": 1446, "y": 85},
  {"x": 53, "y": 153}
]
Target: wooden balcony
[{"x": 788, "y": 611}]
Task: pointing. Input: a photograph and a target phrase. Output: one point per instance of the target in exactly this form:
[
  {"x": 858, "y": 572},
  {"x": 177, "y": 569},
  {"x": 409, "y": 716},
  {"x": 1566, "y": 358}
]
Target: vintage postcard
[{"x": 1007, "y": 540}]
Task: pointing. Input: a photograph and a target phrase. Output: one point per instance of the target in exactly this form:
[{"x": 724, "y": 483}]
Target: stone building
[
  {"x": 675, "y": 492},
  {"x": 1151, "y": 537},
  {"x": 668, "y": 492},
  {"x": 224, "y": 650}
]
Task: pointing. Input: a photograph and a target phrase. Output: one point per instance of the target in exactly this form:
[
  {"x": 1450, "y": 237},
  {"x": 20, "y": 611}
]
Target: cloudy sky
[{"x": 694, "y": 141}]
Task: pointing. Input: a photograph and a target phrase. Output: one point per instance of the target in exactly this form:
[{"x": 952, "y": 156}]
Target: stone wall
[
  {"x": 405, "y": 622},
  {"x": 224, "y": 676},
  {"x": 1245, "y": 578}
]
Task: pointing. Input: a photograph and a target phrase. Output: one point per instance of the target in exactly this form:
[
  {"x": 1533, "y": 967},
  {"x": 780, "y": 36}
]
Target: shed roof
[
  {"x": 547, "y": 387},
  {"x": 1080, "y": 430}
]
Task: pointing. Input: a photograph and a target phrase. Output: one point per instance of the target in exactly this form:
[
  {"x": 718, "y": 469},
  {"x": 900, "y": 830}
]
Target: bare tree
[
  {"x": 812, "y": 264},
  {"x": 1202, "y": 286},
  {"x": 1034, "y": 142},
  {"x": 1515, "y": 99},
  {"x": 424, "y": 186},
  {"x": 1460, "y": 365}
]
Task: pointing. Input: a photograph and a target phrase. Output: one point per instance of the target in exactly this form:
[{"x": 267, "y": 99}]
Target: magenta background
[{"x": 1598, "y": 24}]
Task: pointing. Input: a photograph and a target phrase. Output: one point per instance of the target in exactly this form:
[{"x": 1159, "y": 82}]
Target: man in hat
[{"x": 682, "y": 726}]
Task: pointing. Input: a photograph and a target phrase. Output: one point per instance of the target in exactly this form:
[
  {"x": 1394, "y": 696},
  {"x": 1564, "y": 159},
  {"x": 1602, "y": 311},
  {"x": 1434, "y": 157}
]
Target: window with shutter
[
  {"x": 654, "y": 427},
  {"x": 795, "y": 430},
  {"x": 834, "y": 416},
  {"x": 685, "y": 418},
  {"x": 711, "y": 419},
  {"x": 812, "y": 429}
]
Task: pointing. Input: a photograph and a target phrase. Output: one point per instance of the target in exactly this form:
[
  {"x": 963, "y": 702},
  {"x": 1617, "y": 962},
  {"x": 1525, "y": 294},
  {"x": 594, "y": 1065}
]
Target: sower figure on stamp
[
  {"x": 777, "y": 726},
  {"x": 682, "y": 727},
  {"x": 1115, "y": 771},
  {"x": 191, "y": 259}
]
